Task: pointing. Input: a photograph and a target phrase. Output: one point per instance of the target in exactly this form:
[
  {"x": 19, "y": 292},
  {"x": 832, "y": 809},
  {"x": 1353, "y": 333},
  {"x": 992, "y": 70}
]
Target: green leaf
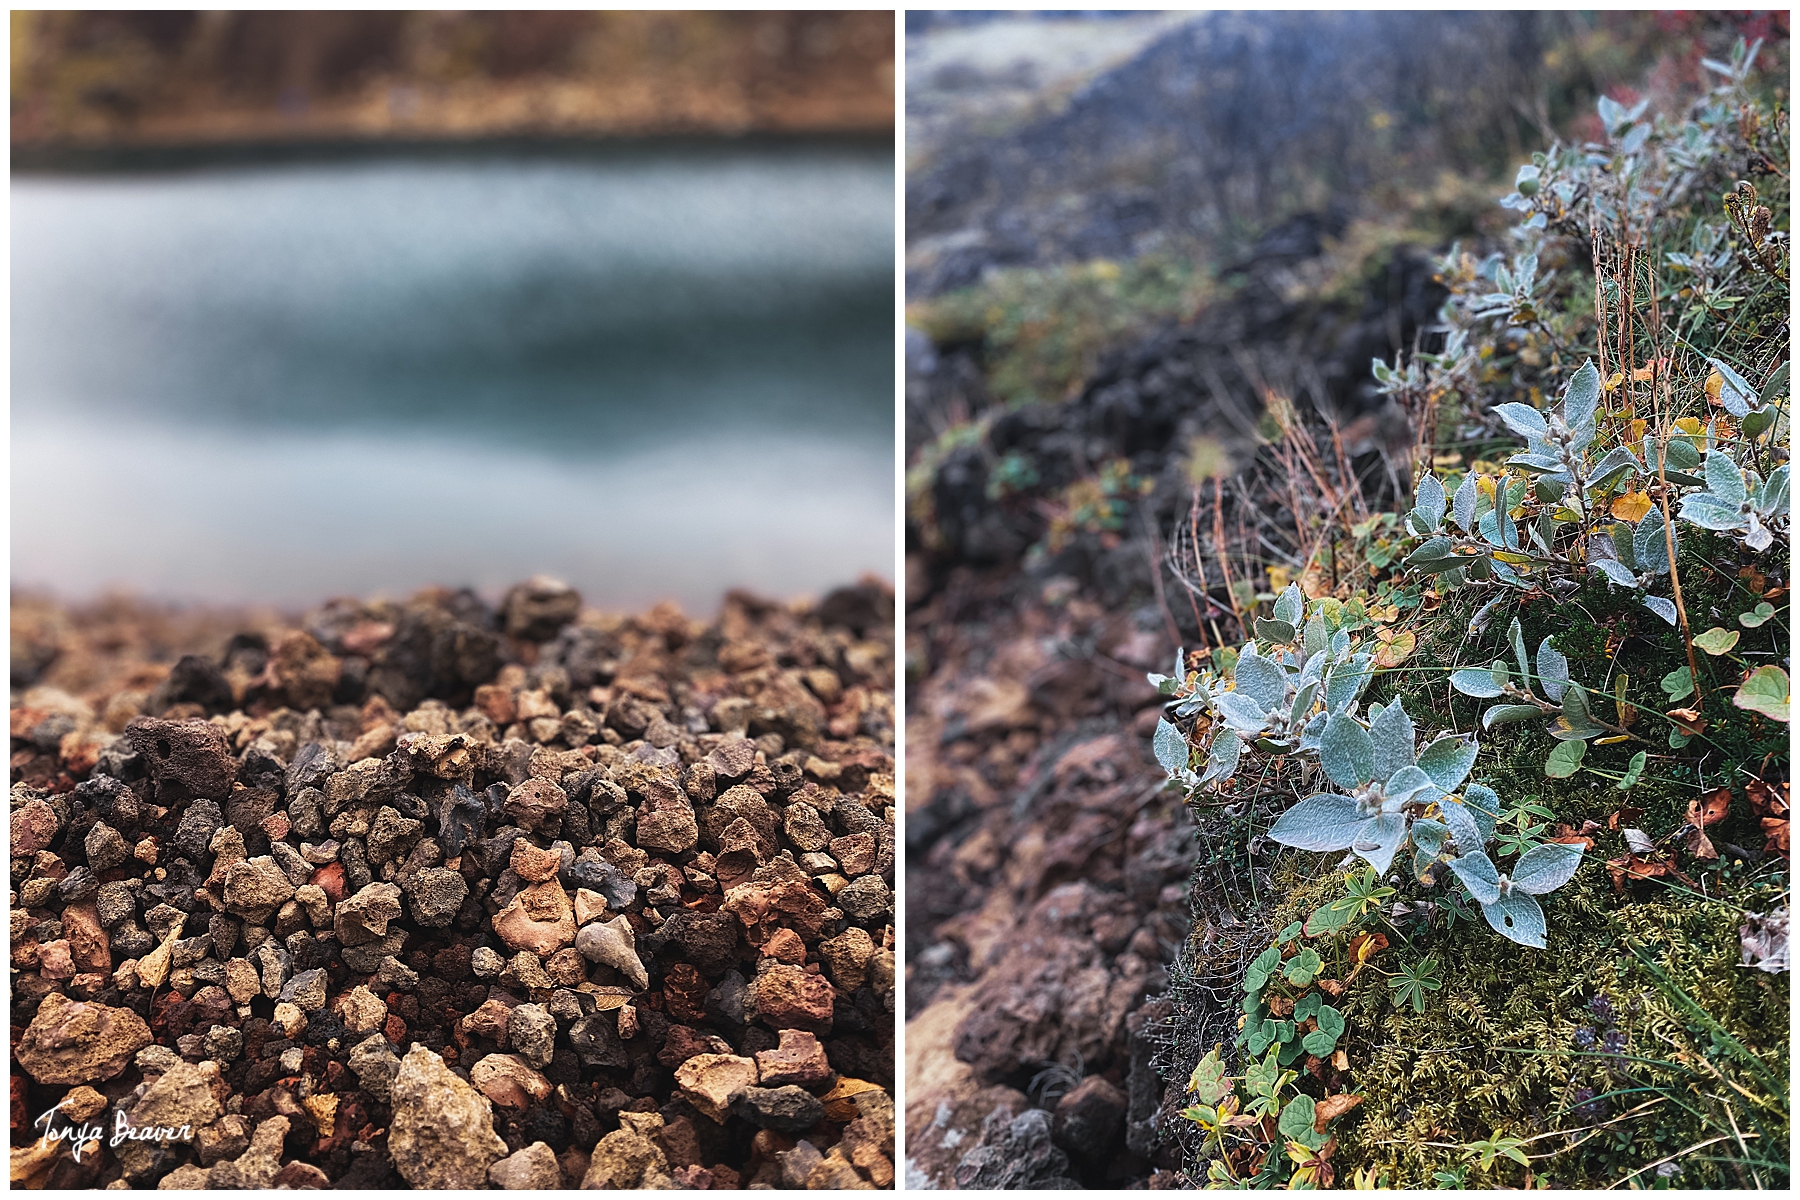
[
  {"x": 1209, "y": 1082},
  {"x": 1170, "y": 747},
  {"x": 1756, "y": 617},
  {"x": 1307, "y": 1006},
  {"x": 1261, "y": 967},
  {"x": 1717, "y": 640},
  {"x": 1303, "y": 968},
  {"x": 1331, "y": 1021},
  {"x": 1765, "y": 692},
  {"x": 1678, "y": 684},
  {"x": 1279, "y": 632},
  {"x": 1328, "y": 919},
  {"x": 1633, "y": 772},
  {"x": 1508, "y": 714},
  {"x": 1289, "y": 933},
  {"x": 1297, "y": 1117},
  {"x": 1565, "y": 760}
]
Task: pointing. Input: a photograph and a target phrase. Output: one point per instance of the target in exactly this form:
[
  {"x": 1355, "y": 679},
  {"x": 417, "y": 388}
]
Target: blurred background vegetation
[
  {"x": 1075, "y": 179},
  {"x": 150, "y": 77}
]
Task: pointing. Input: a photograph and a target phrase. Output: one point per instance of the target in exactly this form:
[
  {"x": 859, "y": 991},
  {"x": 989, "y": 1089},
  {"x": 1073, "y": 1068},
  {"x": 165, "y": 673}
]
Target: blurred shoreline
[
  {"x": 128, "y": 157},
  {"x": 107, "y": 81}
]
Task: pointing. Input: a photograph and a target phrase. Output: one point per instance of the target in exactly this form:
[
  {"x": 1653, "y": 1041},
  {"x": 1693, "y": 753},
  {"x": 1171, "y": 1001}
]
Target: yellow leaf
[
  {"x": 1508, "y": 556},
  {"x": 1484, "y": 485},
  {"x": 1689, "y": 426},
  {"x": 1393, "y": 653},
  {"x": 1631, "y": 507},
  {"x": 1618, "y": 377},
  {"x": 838, "y": 1103},
  {"x": 1608, "y": 741},
  {"x": 1566, "y": 514},
  {"x": 1644, "y": 374},
  {"x": 1279, "y": 577},
  {"x": 1635, "y": 431},
  {"x": 1714, "y": 383}
]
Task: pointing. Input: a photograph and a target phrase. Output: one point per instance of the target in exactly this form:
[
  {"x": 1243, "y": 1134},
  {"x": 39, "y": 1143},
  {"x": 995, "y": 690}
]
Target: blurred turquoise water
[{"x": 653, "y": 372}]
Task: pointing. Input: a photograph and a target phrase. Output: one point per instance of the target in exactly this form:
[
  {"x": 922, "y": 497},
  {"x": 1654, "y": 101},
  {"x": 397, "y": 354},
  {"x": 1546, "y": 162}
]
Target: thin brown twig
[
  {"x": 1660, "y": 400},
  {"x": 1224, "y": 558}
]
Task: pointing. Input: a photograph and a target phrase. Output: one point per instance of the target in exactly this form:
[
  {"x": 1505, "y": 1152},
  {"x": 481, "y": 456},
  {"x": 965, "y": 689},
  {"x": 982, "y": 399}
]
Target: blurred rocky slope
[{"x": 85, "y": 79}]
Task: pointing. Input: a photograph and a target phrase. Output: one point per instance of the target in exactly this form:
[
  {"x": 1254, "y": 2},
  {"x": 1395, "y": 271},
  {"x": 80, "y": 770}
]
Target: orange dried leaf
[
  {"x": 1709, "y": 809},
  {"x": 1631, "y": 507},
  {"x": 1393, "y": 652},
  {"x": 1331, "y": 1108},
  {"x": 1688, "y": 720},
  {"x": 1775, "y": 834}
]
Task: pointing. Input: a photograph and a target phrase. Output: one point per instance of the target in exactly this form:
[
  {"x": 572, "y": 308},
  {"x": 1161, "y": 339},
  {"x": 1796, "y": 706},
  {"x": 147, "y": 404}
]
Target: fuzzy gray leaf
[
  {"x": 1392, "y": 734},
  {"x": 1323, "y": 821},
  {"x": 1261, "y": 680},
  {"x": 1346, "y": 752},
  {"x": 1448, "y": 761},
  {"x": 1552, "y": 670},
  {"x": 1477, "y": 682},
  {"x": 1547, "y": 867},
  {"x": 1517, "y": 916},
  {"x": 1476, "y": 870}
]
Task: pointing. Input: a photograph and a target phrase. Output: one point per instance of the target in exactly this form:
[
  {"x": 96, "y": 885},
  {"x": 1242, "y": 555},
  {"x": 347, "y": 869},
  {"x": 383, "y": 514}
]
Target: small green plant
[
  {"x": 1259, "y": 1129},
  {"x": 1414, "y": 981}
]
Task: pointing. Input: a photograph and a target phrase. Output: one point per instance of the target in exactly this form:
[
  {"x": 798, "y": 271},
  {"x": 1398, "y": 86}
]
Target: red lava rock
[
  {"x": 535, "y": 865},
  {"x": 33, "y": 828},
  {"x": 70, "y": 1041},
  {"x": 496, "y": 703},
  {"x": 785, "y": 945},
  {"x": 89, "y": 945},
  {"x": 534, "y": 803},
  {"x": 330, "y": 879},
  {"x": 800, "y": 1059},
  {"x": 437, "y": 925},
  {"x": 789, "y": 998},
  {"x": 684, "y": 989},
  {"x": 684, "y": 1042}
]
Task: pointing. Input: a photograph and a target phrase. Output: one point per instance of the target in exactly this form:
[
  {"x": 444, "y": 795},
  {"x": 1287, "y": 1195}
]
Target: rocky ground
[
  {"x": 1046, "y": 889},
  {"x": 438, "y": 895}
]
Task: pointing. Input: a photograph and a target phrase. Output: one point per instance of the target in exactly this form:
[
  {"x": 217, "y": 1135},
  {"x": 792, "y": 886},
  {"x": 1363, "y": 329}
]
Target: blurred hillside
[
  {"x": 86, "y": 79},
  {"x": 1040, "y": 147}
]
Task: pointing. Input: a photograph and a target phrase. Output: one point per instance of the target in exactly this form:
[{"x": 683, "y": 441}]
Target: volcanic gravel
[{"x": 441, "y": 895}]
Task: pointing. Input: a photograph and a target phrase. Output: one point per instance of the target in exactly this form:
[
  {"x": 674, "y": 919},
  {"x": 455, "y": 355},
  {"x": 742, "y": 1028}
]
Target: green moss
[{"x": 1494, "y": 1054}]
